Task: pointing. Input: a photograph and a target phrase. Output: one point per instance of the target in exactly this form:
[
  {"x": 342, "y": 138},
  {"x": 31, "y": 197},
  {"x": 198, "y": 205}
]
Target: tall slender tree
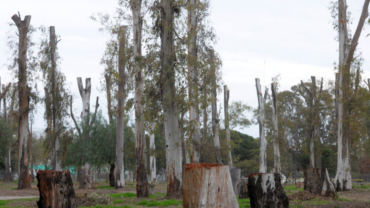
[
  {"x": 168, "y": 92},
  {"x": 277, "y": 164},
  {"x": 193, "y": 81},
  {"x": 142, "y": 189},
  {"x": 347, "y": 47},
  {"x": 120, "y": 180},
  {"x": 227, "y": 127},
  {"x": 23, "y": 134}
]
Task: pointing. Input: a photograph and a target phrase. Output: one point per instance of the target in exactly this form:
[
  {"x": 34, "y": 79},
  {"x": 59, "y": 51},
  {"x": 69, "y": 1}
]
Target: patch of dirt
[
  {"x": 305, "y": 195},
  {"x": 356, "y": 194},
  {"x": 22, "y": 204},
  {"x": 336, "y": 204}
]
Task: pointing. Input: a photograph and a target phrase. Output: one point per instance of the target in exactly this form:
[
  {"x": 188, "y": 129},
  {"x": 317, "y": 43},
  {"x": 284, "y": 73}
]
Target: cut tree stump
[
  {"x": 235, "y": 179},
  {"x": 317, "y": 181},
  {"x": 265, "y": 190},
  {"x": 243, "y": 188},
  {"x": 56, "y": 189},
  {"x": 208, "y": 186}
]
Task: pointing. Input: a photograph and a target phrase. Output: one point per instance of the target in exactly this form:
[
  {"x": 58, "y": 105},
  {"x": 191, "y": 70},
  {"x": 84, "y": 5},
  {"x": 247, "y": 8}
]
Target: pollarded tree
[
  {"x": 23, "y": 27},
  {"x": 261, "y": 121}
]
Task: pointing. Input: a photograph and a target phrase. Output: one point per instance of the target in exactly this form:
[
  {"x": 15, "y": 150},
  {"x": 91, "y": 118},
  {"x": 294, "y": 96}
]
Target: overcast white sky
[{"x": 257, "y": 39}]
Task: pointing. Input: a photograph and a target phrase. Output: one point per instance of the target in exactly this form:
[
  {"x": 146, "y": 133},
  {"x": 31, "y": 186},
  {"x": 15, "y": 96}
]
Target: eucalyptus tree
[
  {"x": 56, "y": 95},
  {"x": 261, "y": 121},
  {"x": 313, "y": 105},
  {"x": 347, "y": 47},
  {"x": 23, "y": 27}
]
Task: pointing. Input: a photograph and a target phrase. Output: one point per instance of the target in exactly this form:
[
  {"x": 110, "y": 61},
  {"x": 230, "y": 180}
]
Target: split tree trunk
[
  {"x": 120, "y": 177},
  {"x": 243, "y": 188},
  {"x": 227, "y": 128},
  {"x": 277, "y": 164},
  {"x": 153, "y": 165},
  {"x": 265, "y": 190},
  {"x": 23, "y": 134},
  {"x": 261, "y": 121},
  {"x": 171, "y": 124},
  {"x": 52, "y": 46},
  {"x": 215, "y": 120},
  {"x": 208, "y": 186},
  {"x": 347, "y": 47},
  {"x": 317, "y": 181},
  {"x": 142, "y": 189},
  {"x": 193, "y": 80},
  {"x": 85, "y": 181},
  {"x": 56, "y": 189}
]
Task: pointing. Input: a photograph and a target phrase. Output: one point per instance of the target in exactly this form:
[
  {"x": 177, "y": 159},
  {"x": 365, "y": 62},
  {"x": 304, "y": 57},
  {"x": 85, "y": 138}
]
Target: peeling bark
[
  {"x": 168, "y": 91},
  {"x": 23, "y": 134},
  {"x": 265, "y": 190},
  {"x": 208, "y": 186},
  {"x": 53, "y": 45},
  {"x": 86, "y": 181},
  {"x": 215, "y": 119},
  {"x": 153, "y": 168},
  {"x": 277, "y": 164},
  {"x": 347, "y": 47},
  {"x": 317, "y": 181},
  {"x": 227, "y": 128},
  {"x": 56, "y": 189},
  {"x": 261, "y": 121},
  {"x": 120, "y": 177},
  {"x": 193, "y": 81}
]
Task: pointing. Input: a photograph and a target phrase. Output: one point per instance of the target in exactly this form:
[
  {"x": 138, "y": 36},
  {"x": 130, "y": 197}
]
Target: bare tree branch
[{"x": 73, "y": 118}]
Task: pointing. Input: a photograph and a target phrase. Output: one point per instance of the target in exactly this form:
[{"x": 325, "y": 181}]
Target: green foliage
[
  {"x": 244, "y": 203},
  {"x": 118, "y": 201},
  {"x": 329, "y": 161},
  {"x": 237, "y": 115}
]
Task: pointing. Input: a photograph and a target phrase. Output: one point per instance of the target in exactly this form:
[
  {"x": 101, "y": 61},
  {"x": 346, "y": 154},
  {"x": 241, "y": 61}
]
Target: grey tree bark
[
  {"x": 277, "y": 164},
  {"x": 227, "y": 127},
  {"x": 23, "y": 133},
  {"x": 120, "y": 180},
  {"x": 261, "y": 121},
  {"x": 171, "y": 124},
  {"x": 347, "y": 48},
  {"x": 153, "y": 168},
  {"x": 142, "y": 189},
  {"x": 215, "y": 119},
  {"x": 53, "y": 45},
  {"x": 193, "y": 81},
  {"x": 86, "y": 180}
]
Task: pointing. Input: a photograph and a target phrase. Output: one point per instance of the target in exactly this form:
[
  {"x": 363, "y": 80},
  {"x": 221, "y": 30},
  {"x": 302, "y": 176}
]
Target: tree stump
[
  {"x": 56, "y": 189},
  {"x": 208, "y": 186},
  {"x": 235, "y": 179},
  {"x": 265, "y": 190},
  {"x": 317, "y": 181},
  {"x": 243, "y": 188}
]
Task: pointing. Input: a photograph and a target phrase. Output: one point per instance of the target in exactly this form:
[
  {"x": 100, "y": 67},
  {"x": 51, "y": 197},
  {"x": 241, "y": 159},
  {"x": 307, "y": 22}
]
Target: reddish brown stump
[
  {"x": 208, "y": 186},
  {"x": 265, "y": 190},
  {"x": 317, "y": 181},
  {"x": 56, "y": 189}
]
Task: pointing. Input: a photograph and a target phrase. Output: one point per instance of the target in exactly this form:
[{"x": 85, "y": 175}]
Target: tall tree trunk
[
  {"x": 52, "y": 46},
  {"x": 215, "y": 119},
  {"x": 23, "y": 133},
  {"x": 7, "y": 177},
  {"x": 31, "y": 157},
  {"x": 346, "y": 51},
  {"x": 142, "y": 189},
  {"x": 120, "y": 177},
  {"x": 111, "y": 175},
  {"x": 261, "y": 121},
  {"x": 153, "y": 168},
  {"x": 86, "y": 181},
  {"x": 277, "y": 164},
  {"x": 227, "y": 127},
  {"x": 193, "y": 81},
  {"x": 171, "y": 123}
]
